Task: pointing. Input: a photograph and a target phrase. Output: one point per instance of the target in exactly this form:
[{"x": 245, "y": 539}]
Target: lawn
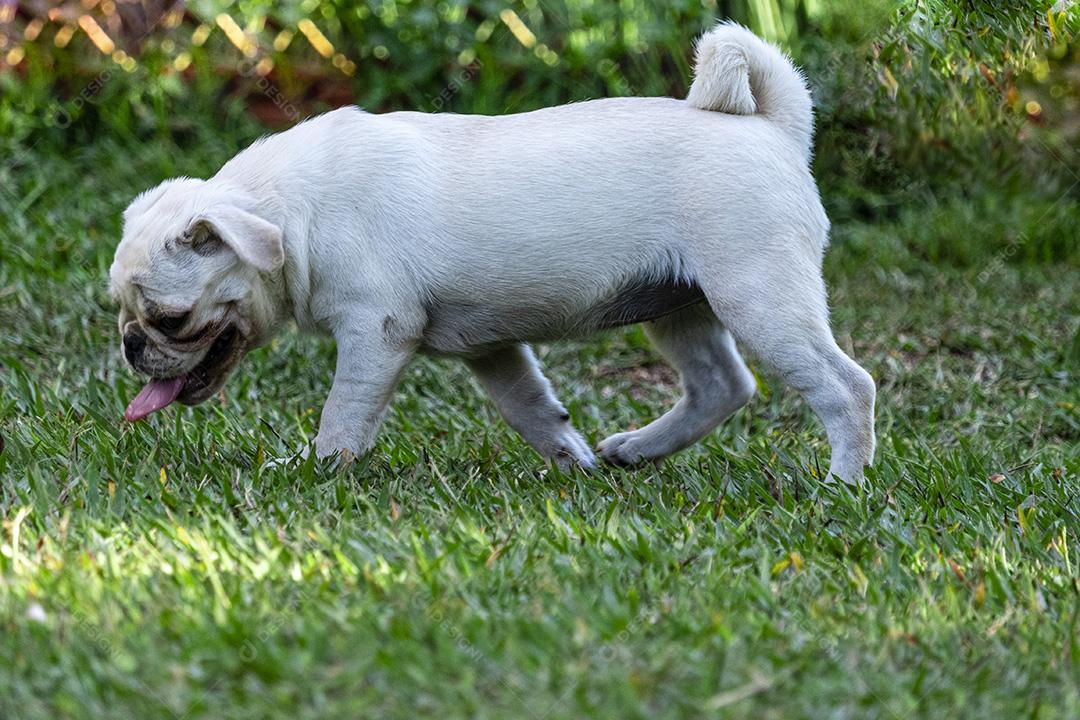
[{"x": 162, "y": 570}]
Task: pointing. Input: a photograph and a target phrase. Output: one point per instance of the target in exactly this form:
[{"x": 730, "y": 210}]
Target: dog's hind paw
[
  {"x": 571, "y": 451},
  {"x": 627, "y": 449}
]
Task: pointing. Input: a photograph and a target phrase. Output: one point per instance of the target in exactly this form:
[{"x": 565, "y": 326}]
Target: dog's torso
[{"x": 483, "y": 231}]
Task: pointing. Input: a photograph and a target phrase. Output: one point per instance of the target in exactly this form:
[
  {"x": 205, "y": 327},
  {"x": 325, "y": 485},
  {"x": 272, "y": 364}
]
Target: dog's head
[{"x": 194, "y": 275}]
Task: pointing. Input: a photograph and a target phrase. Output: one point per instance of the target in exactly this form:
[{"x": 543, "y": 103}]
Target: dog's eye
[{"x": 172, "y": 323}]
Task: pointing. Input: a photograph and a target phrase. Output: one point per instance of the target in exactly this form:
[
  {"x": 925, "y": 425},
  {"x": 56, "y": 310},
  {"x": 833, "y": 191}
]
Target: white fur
[
  {"x": 471, "y": 235},
  {"x": 739, "y": 73}
]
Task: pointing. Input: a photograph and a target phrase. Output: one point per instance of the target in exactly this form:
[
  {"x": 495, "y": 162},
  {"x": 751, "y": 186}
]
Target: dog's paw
[
  {"x": 343, "y": 449},
  {"x": 625, "y": 449},
  {"x": 570, "y": 451},
  {"x": 851, "y": 476}
]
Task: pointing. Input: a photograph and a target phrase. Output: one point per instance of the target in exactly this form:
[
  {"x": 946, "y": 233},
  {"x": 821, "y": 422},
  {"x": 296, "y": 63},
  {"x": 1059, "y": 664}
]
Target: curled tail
[{"x": 739, "y": 73}]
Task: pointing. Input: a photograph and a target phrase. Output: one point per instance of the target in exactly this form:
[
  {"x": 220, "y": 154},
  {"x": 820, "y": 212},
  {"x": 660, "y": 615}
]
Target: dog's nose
[{"x": 133, "y": 346}]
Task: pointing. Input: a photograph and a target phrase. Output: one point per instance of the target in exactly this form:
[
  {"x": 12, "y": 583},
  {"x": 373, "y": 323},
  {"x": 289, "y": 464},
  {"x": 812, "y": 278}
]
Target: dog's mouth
[{"x": 192, "y": 387}]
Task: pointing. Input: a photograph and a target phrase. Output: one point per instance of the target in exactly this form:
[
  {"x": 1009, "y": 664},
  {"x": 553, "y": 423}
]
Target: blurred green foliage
[
  {"x": 953, "y": 86},
  {"x": 917, "y": 100},
  {"x": 404, "y": 55}
]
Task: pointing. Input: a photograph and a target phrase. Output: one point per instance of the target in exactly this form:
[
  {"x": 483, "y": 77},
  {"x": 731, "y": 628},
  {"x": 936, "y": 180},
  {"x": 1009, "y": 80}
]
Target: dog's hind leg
[
  {"x": 715, "y": 383},
  {"x": 526, "y": 401},
  {"x": 775, "y": 307}
]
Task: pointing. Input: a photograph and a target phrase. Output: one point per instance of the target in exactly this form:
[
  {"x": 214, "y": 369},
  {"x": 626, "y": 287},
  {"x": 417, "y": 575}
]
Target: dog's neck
[
  {"x": 289, "y": 289},
  {"x": 294, "y": 280},
  {"x": 277, "y": 172}
]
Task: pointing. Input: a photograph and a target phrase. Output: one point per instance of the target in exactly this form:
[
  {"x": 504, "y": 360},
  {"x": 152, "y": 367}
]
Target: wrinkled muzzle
[{"x": 191, "y": 386}]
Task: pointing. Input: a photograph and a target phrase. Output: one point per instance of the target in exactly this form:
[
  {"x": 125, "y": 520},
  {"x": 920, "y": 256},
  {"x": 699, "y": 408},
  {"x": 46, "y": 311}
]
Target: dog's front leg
[{"x": 369, "y": 364}]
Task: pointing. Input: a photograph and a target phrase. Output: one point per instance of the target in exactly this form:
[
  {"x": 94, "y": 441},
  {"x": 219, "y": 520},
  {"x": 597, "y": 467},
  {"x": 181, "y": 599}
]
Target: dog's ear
[{"x": 254, "y": 240}]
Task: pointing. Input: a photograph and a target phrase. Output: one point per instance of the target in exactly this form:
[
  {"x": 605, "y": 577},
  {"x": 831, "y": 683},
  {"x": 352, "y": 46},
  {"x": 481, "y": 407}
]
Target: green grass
[{"x": 161, "y": 571}]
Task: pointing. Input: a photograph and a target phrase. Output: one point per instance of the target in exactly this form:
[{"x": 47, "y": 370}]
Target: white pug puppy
[{"x": 473, "y": 236}]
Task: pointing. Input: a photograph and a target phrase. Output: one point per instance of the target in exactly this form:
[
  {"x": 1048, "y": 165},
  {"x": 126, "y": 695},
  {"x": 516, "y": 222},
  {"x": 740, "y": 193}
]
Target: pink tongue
[{"x": 156, "y": 395}]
